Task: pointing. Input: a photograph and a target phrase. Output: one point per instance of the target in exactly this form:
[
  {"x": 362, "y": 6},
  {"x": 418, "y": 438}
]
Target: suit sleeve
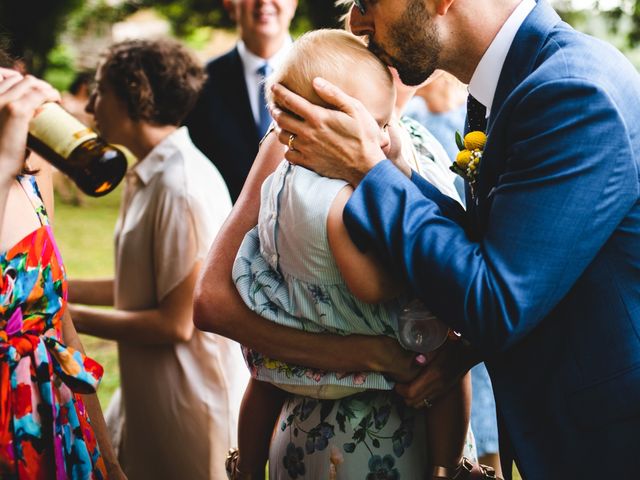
[
  {"x": 568, "y": 180},
  {"x": 449, "y": 207}
]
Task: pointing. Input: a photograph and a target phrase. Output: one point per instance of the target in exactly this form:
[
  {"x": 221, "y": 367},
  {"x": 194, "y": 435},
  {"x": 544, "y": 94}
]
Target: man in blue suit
[
  {"x": 542, "y": 273},
  {"x": 230, "y": 116}
]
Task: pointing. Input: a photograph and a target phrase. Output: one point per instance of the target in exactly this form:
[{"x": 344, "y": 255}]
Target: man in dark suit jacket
[
  {"x": 226, "y": 123},
  {"x": 542, "y": 274}
]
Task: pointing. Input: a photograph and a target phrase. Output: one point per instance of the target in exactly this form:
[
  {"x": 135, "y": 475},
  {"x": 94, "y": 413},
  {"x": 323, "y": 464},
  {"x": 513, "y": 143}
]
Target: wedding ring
[
  {"x": 427, "y": 403},
  {"x": 292, "y": 137}
]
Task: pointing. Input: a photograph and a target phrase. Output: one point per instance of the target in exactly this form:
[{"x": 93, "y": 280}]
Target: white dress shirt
[
  {"x": 251, "y": 63},
  {"x": 484, "y": 81}
]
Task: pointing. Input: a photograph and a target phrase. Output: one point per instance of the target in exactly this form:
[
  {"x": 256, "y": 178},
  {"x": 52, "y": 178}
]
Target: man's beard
[{"x": 414, "y": 40}]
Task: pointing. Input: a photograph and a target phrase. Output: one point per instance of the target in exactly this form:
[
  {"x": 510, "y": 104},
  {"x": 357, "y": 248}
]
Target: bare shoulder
[{"x": 44, "y": 179}]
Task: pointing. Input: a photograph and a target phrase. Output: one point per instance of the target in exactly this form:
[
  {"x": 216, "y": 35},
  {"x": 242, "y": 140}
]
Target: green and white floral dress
[{"x": 285, "y": 272}]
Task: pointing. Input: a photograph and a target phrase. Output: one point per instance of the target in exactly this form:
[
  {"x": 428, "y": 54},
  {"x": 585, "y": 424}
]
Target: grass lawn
[{"x": 85, "y": 237}]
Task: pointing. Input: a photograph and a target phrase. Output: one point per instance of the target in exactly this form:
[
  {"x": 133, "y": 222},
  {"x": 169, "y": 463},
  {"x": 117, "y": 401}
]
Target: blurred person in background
[
  {"x": 180, "y": 387},
  {"x": 76, "y": 98},
  {"x": 47, "y": 428},
  {"x": 231, "y": 115}
]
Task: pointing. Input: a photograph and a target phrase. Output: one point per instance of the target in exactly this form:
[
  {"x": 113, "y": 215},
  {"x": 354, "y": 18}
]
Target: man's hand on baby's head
[{"x": 343, "y": 142}]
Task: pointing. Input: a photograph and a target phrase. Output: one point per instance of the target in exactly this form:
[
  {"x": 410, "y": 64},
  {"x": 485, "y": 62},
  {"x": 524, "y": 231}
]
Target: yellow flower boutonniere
[{"x": 467, "y": 161}]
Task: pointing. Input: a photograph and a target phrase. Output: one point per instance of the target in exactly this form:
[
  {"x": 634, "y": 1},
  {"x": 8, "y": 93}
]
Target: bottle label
[{"x": 58, "y": 129}]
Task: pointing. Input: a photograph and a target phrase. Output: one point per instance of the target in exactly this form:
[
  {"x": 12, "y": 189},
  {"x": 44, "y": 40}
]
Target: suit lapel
[
  {"x": 238, "y": 94},
  {"x": 519, "y": 63}
]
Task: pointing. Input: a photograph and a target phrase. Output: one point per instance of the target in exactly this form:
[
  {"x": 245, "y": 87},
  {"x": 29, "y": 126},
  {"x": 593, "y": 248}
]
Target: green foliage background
[{"x": 34, "y": 27}]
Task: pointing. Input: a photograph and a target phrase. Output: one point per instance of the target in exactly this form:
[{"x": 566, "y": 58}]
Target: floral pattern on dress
[
  {"x": 257, "y": 362},
  {"x": 420, "y": 138},
  {"x": 375, "y": 428},
  {"x": 367, "y": 436},
  {"x": 309, "y": 307},
  {"x": 45, "y": 431}
]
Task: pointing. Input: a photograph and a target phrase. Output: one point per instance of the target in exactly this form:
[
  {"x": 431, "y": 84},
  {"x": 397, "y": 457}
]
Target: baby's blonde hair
[{"x": 331, "y": 54}]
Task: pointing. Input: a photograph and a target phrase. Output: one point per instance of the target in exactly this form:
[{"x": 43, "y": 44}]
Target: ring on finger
[
  {"x": 292, "y": 137},
  {"x": 427, "y": 403}
]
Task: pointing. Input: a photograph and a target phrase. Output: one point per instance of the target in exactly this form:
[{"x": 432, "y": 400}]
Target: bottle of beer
[{"x": 94, "y": 165}]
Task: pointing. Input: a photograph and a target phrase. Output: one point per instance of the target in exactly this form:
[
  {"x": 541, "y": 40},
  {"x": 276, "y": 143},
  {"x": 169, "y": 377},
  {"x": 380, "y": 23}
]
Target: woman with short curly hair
[{"x": 180, "y": 387}]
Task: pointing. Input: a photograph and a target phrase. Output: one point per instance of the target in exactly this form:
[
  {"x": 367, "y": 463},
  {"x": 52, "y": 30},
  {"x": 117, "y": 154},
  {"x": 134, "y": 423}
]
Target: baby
[{"x": 299, "y": 268}]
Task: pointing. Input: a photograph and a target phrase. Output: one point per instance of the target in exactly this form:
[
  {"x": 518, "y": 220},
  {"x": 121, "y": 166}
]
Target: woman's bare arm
[
  {"x": 170, "y": 322},
  {"x": 219, "y": 308},
  {"x": 92, "y": 404},
  {"x": 97, "y": 292},
  {"x": 364, "y": 274}
]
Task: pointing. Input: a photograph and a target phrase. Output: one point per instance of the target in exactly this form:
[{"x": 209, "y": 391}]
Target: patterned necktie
[
  {"x": 476, "y": 115},
  {"x": 264, "y": 119}
]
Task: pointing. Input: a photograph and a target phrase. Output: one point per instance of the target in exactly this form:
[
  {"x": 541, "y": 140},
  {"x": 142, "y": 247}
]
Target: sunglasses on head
[{"x": 360, "y": 6}]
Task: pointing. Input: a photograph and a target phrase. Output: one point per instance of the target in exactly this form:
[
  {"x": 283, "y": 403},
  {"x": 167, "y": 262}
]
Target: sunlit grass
[{"x": 85, "y": 237}]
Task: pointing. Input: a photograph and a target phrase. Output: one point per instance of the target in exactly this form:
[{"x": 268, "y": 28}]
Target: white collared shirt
[
  {"x": 484, "y": 81},
  {"x": 177, "y": 202},
  {"x": 251, "y": 63}
]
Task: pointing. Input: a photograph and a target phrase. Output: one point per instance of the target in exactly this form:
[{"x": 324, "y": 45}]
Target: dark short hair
[
  {"x": 5, "y": 59},
  {"x": 159, "y": 80},
  {"x": 81, "y": 78}
]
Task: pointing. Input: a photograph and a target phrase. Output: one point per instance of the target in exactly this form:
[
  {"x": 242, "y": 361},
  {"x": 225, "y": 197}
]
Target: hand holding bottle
[
  {"x": 30, "y": 115},
  {"x": 20, "y": 97}
]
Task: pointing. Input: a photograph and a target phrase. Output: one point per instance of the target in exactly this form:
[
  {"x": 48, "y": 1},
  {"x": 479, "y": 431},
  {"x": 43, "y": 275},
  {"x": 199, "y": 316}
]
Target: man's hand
[
  {"x": 344, "y": 142},
  {"x": 444, "y": 369}
]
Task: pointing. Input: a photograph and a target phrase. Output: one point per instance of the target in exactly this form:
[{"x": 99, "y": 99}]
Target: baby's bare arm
[{"x": 366, "y": 277}]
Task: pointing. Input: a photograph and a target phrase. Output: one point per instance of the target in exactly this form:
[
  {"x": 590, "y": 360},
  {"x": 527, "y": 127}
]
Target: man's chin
[{"x": 412, "y": 78}]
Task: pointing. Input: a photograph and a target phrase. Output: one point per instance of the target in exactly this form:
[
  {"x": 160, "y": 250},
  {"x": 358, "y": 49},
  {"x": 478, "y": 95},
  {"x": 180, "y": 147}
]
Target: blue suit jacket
[
  {"x": 221, "y": 124},
  {"x": 543, "y": 274}
]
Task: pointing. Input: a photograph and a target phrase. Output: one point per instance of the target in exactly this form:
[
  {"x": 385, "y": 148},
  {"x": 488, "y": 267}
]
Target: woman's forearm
[
  {"x": 170, "y": 322},
  {"x": 92, "y": 404},
  {"x": 219, "y": 308},
  {"x": 92, "y": 292},
  {"x": 148, "y": 327}
]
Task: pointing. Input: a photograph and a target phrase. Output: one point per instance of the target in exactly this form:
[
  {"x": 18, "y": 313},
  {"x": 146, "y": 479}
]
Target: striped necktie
[{"x": 264, "y": 119}]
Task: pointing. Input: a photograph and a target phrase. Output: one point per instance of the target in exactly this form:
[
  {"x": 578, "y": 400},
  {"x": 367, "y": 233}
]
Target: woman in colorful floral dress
[{"x": 45, "y": 431}]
